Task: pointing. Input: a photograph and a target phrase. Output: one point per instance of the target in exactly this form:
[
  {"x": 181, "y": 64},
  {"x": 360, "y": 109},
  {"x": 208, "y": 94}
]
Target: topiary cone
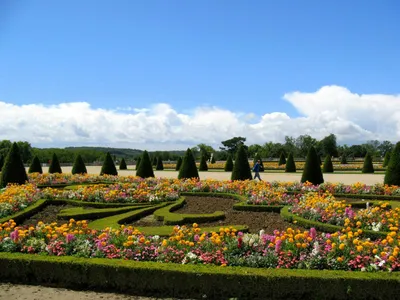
[
  {"x": 108, "y": 167},
  {"x": 55, "y": 165},
  {"x": 36, "y": 166},
  {"x": 13, "y": 169},
  {"x": 229, "y": 164},
  {"x": 188, "y": 168},
  {"x": 178, "y": 164},
  {"x": 160, "y": 165},
  {"x": 241, "y": 168},
  {"x": 368, "y": 167},
  {"x": 145, "y": 168},
  {"x": 122, "y": 164},
  {"x": 328, "y": 165},
  {"x": 203, "y": 164},
  {"x": 290, "y": 164},
  {"x": 392, "y": 175},
  {"x": 79, "y": 166},
  {"x": 312, "y": 169}
]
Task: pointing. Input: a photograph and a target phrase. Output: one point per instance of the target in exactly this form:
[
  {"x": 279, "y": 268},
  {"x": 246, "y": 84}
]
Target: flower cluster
[{"x": 17, "y": 197}]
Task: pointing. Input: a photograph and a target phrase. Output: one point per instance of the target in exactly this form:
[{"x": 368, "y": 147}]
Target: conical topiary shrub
[
  {"x": 188, "y": 168},
  {"x": 319, "y": 159},
  {"x": 145, "y": 168},
  {"x": 282, "y": 159},
  {"x": 79, "y": 166},
  {"x": 312, "y": 169},
  {"x": 290, "y": 164},
  {"x": 138, "y": 162},
  {"x": 241, "y": 168},
  {"x": 203, "y": 164},
  {"x": 160, "y": 165},
  {"x": 368, "y": 167},
  {"x": 328, "y": 165},
  {"x": 155, "y": 161},
  {"x": 385, "y": 160},
  {"x": 178, "y": 163},
  {"x": 1, "y": 162},
  {"x": 13, "y": 169},
  {"x": 36, "y": 166},
  {"x": 122, "y": 164},
  {"x": 54, "y": 165},
  {"x": 392, "y": 176},
  {"x": 343, "y": 160},
  {"x": 213, "y": 159},
  {"x": 228, "y": 164},
  {"x": 108, "y": 167}
]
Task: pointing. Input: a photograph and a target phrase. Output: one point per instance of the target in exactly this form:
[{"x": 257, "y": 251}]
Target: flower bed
[{"x": 17, "y": 197}]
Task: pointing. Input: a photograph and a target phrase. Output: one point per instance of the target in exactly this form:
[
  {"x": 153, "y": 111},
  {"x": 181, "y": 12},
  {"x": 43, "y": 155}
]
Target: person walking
[{"x": 257, "y": 168}]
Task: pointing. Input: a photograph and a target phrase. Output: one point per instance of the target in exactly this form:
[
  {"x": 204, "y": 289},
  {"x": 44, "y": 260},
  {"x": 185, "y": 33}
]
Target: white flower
[{"x": 262, "y": 232}]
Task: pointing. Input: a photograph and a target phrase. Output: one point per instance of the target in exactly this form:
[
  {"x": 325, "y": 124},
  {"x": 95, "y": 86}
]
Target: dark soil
[
  {"x": 48, "y": 215},
  {"x": 256, "y": 221}
]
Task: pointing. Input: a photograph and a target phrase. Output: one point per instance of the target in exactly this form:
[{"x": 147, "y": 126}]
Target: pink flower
[
  {"x": 278, "y": 245},
  {"x": 69, "y": 238},
  {"x": 14, "y": 235},
  {"x": 313, "y": 233},
  {"x": 196, "y": 237}
]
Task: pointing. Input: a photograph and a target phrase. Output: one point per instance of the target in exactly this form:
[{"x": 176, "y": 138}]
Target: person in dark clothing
[{"x": 257, "y": 168}]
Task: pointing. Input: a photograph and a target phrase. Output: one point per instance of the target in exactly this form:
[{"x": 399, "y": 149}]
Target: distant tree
[
  {"x": 36, "y": 166},
  {"x": 160, "y": 165},
  {"x": 368, "y": 167},
  {"x": 138, "y": 162},
  {"x": 328, "y": 166},
  {"x": 312, "y": 169},
  {"x": 343, "y": 160},
  {"x": 282, "y": 159},
  {"x": 229, "y": 164},
  {"x": 203, "y": 163},
  {"x": 1, "y": 161},
  {"x": 145, "y": 168},
  {"x": 188, "y": 168},
  {"x": 79, "y": 166},
  {"x": 122, "y": 165},
  {"x": 241, "y": 168},
  {"x": 392, "y": 176},
  {"x": 329, "y": 145},
  {"x": 54, "y": 165},
  {"x": 13, "y": 170},
  {"x": 233, "y": 144},
  {"x": 290, "y": 164},
  {"x": 205, "y": 150},
  {"x": 385, "y": 160},
  {"x": 108, "y": 167},
  {"x": 178, "y": 163}
]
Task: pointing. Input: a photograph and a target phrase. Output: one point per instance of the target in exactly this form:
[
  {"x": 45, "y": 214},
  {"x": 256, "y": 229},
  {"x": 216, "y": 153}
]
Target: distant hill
[{"x": 118, "y": 152}]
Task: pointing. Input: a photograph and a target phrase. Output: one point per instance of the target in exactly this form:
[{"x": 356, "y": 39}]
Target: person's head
[{"x": 258, "y": 161}]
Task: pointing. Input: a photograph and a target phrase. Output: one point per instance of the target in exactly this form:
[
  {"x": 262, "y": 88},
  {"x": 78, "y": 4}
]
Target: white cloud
[{"x": 331, "y": 109}]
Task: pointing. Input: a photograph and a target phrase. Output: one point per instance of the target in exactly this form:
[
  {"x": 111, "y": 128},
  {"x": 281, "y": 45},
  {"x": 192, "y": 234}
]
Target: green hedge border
[
  {"x": 195, "y": 281},
  {"x": 79, "y": 213}
]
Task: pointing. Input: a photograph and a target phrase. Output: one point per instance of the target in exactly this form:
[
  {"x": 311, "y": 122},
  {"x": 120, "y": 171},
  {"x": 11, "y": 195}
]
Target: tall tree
[
  {"x": 329, "y": 145},
  {"x": 36, "y": 166},
  {"x": 290, "y": 145},
  {"x": 55, "y": 165},
  {"x": 312, "y": 169},
  {"x": 188, "y": 168},
  {"x": 79, "y": 166},
  {"x": 205, "y": 150},
  {"x": 241, "y": 168},
  {"x": 303, "y": 143},
  {"x": 108, "y": 167},
  {"x": 13, "y": 170},
  {"x": 233, "y": 144},
  {"x": 145, "y": 168}
]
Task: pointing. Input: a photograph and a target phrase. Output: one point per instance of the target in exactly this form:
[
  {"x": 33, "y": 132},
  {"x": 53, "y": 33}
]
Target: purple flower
[
  {"x": 278, "y": 245},
  {"x": 69, "y": 238}
]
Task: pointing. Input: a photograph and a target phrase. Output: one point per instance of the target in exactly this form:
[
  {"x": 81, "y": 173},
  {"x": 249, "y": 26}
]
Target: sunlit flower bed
[
  {"x": 289, "y": 249},
  {"x": 118, "y": 192},
  {"x": 325, "y": 208},
  {"x": 273, "y": 197},
  {"x": 17, "y": 197}
]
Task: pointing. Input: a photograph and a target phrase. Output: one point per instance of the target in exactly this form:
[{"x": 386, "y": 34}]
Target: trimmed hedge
[
  {"x": 13, "y": 170},
  {"x": 108, "y": 167},
  {"x": 79, "y": 213},
  {"x": 35, "y": 166},
  {"x": 228, "y": 164},
  {"x": 312, "y": 168},
  {"x": 195, "y": 281},
  {"x": 54, "y": 165},
  {"x": 166, "y": 215}
]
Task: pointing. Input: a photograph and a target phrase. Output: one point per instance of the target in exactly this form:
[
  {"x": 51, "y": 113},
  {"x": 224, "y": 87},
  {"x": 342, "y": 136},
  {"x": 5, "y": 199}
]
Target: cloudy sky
[{"x": 172, "y": 74}]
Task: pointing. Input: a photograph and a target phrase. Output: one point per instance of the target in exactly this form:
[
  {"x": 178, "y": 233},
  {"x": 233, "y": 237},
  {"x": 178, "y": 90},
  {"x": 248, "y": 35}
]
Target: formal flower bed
[
  {"x": 118, "y": 192},
  {"x": 288, "y": 249},
  {"x": 17, "y": 197},
  {"x": 273, "y": 197},
  {"x": 325, "y": 208}
]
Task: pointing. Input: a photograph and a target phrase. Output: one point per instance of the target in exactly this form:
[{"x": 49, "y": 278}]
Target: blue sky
[{"x": 240, "y": 56}]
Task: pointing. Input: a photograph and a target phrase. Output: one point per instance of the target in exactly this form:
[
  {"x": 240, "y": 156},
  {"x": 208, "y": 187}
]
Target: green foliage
[
  {"x": 178, "y": 163},
  {"x": 122, "y": 164},
  {"x": 392, "y": 176},
  {"x": 54, "y": 165},
  {"x": 241, "y": 169},
  {"x": 282, "y": 159},
  {"x": 159, "y": 166},
  {"x": 188, "y": 168},
  {"x": 36, "y": 166},
  {"x": 1, "y": 162},
  {"x": 343, "y": 160},
  {"x": 328, "y": 165},
  {"x": 203, "y": 164},
  {"x": 290, "y": 164},
  {"x": 232, "y": 145},
  {"x": 385, "y": 160},
  {"x": 13, "y": 170},
  {"x": 229, "y": 164},
  {"x": 213, "y": 159},
  {"x": 108, "y": 167},
  {"x": 368, "y": 167},
  {"x": 79, "y": 166},
  {"x": 155, "y": 161},
  {"x": 145, "y": 169},
  {"x": 138, "y": 162},
  {"x": 312, "y": 169}
]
